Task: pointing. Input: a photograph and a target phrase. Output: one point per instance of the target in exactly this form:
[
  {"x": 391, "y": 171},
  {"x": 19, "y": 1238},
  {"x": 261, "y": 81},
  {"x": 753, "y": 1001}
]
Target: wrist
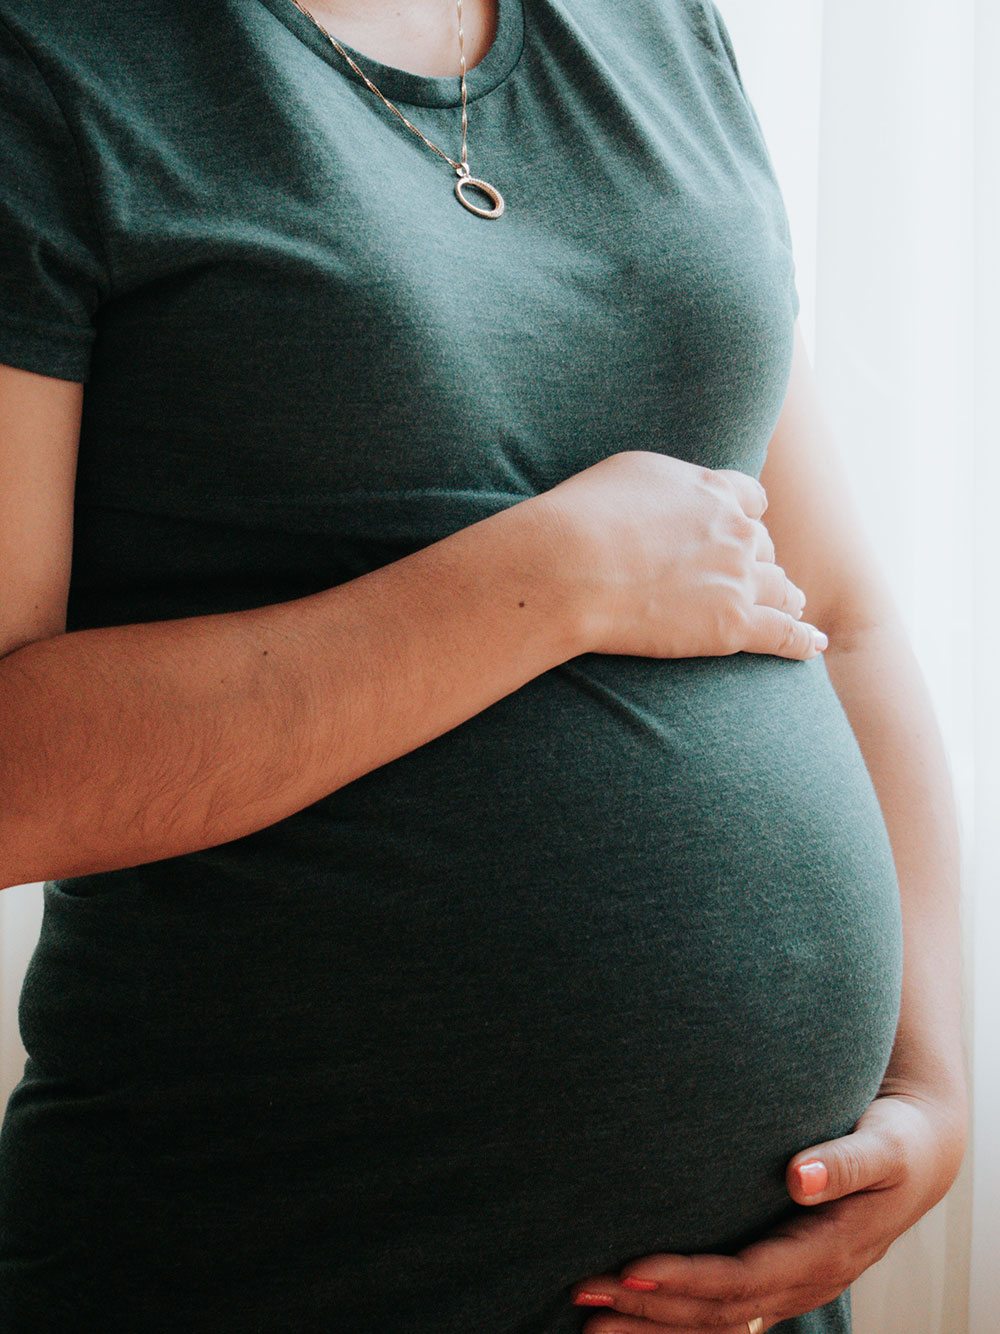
[
  {"x": 561, "y": 557},
  {"x": 943, "y": 1105},
  {"x": 929, "y": 1064}
]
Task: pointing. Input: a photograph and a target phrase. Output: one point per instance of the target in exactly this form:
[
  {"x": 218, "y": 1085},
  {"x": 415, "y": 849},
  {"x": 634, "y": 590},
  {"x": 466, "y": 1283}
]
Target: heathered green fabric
[{"x": 570, "y": 984}]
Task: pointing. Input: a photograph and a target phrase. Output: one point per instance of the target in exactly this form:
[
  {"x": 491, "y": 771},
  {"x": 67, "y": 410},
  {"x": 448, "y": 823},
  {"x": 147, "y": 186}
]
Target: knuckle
[
  {"x": 733, "y": 618},
  {"x": 712, "y": 488},
  {"x": 895, "y": 1152},
  {"x": 849, "y": 1169},
  {"x": 794, "y": 604},
  {"x": 735, "y": 561},
  {"x": 790, "y": 639},
  {"x": 725, "y": 489},
  {"x": 636, "y": 1304},
  {"x": 742, "y": 527},
  {"x": 641, "y": 1307},
  {"x": 766, "y": 540},
  {"x": 742, "y": 1292}
]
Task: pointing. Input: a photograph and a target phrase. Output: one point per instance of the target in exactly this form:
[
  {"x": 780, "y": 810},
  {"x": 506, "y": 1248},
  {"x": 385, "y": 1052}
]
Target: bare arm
[
  {"x": 130, "y": 744},
  {"x": 823, "y": 547}
]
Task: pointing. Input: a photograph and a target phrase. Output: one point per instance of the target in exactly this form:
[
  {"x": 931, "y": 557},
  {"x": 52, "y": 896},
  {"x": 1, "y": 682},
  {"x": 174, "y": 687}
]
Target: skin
[
  {"x": 422, "y": 38},
  {"x": 906, "y": 1150}
]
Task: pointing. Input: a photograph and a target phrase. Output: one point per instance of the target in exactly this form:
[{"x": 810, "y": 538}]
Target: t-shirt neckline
[{"x": 400, "y": 85}]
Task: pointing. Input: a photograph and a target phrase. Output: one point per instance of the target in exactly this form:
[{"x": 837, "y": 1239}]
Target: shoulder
[
  {"x": 125, "y": 72},
  {"x": 692, "y": 29},
  {"x": 707, "y": 27},
  {"x": 95, "y": 20},
  {"x": 104, "y": 43},
  {"x": 700, "y": 19},
  {"x": 46, "y": 27}
]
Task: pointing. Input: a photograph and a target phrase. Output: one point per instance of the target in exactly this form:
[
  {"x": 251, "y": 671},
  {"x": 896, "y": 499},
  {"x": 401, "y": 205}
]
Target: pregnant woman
[{"x": 476, "y": 892}]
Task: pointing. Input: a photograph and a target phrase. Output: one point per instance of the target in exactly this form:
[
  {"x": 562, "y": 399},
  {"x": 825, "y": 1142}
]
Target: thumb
[{"x": 865, "y": 1160}]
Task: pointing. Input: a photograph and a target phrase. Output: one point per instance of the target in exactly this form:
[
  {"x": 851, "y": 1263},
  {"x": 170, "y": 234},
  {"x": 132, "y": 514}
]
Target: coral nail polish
[
  {"x": 813, "y": 1176},
  {"x": 640, "y": 1284},
  {"x": 593, "y": 1299}
]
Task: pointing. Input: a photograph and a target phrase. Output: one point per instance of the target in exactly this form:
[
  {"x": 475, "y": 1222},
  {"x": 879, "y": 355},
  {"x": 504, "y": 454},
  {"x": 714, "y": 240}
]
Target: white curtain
[
  {"x": 883, "y": 118},
  {"x": 884, "y": 123}
]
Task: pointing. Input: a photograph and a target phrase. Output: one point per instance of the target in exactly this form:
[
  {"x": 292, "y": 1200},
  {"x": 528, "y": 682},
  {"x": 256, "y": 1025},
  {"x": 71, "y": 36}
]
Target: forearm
[
  {"x": 129, "y": 744},
  {"x": 881, "y": 688}
]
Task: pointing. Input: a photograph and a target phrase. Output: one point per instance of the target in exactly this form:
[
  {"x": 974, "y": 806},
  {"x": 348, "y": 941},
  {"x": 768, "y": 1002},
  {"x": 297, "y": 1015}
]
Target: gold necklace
[{"x": 462, "y": 166}]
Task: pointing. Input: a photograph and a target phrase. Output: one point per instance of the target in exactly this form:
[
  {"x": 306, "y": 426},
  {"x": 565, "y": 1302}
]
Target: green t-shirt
[{"x": 569, "y": 984}]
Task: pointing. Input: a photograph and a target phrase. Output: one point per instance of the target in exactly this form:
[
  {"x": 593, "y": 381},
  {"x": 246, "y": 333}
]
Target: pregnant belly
[{"x": 568, "y": 985}]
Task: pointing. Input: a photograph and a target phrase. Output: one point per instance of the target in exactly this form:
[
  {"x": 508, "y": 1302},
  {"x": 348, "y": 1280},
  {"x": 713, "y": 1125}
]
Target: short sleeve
[
  {"x": 52, "y": 273},
  {"x": 726, "y": 43}
]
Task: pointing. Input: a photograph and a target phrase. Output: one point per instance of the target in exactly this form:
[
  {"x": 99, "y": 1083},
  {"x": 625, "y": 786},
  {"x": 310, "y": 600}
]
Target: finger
[
  {"x": 617, "y": 1324},
  {"x": 869, "y": 1159},
  {"x": 775, "y": 632},
  {"x": 709, "y": 1278},
  {"x": 764, "y": 543},
  {"x": 671, "y": 1310},
  {"x": 801, "y": 1266},
  {"x": 803, "y": 1255},
  {"x": 775, "y": 589},
  {"x": 749, "y": 492}
]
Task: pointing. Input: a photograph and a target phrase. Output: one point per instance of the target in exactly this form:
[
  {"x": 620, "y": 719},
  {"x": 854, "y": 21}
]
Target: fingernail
[
  {"x": 813, "y": 1176},
  {"x": 593, "y": 1299},
  {"x": 820, "y": 640},
  {"x": 640, "y": 1284}
]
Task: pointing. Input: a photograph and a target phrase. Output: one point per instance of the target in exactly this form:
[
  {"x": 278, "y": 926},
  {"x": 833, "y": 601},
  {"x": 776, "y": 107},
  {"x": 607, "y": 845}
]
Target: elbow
[
  {"x": 14, "y": 868},
  {"x": 852, "y": 625}
]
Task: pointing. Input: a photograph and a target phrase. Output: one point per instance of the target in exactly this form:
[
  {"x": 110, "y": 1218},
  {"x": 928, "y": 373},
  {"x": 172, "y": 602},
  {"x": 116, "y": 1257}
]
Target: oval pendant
[{"x": 490, "y": 191}]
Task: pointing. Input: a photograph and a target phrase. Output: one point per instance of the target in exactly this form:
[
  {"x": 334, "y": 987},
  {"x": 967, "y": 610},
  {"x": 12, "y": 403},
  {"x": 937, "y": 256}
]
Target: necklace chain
[{"x": 462, "y": 167}]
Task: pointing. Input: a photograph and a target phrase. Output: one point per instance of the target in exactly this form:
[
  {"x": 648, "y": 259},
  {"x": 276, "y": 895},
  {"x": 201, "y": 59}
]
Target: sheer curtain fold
[
  {"x": 884, "y": 124},
  {"x": 984, "y": 869},
  {"x": 889, "y": 166}
]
